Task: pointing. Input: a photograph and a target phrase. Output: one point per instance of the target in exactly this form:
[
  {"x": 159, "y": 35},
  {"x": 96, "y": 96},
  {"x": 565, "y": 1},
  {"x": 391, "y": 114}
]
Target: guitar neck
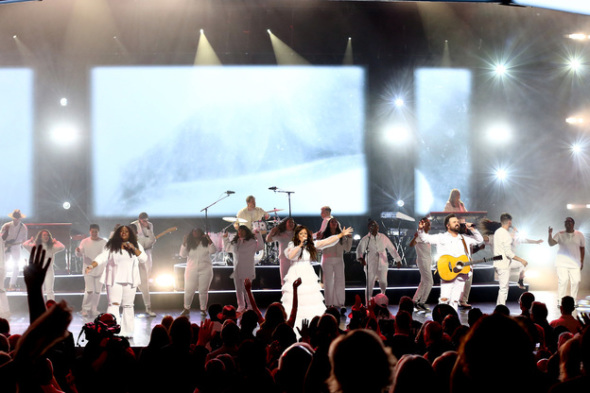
[{"x": 478, "y": 261}]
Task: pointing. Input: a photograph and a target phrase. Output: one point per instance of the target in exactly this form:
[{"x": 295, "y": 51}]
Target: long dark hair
[
  {"x": 115, "y": 242},
  {"x": 283, "y": 225},
  {"x": 193, "y": 242},
  {"x": 249, "y": 234},
  {"x": 38, "y": 240},
  {"x": 488, "y": 227},
  {"x": 310, "y": 246},
  {"x": 327, "y": 233}
]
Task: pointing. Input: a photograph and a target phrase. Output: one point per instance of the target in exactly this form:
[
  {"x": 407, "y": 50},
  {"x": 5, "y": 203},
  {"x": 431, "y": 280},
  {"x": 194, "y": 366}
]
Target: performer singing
[
  {"x": 122, "y": 256},
  {"x": 14, "y": 233},
  {"x": 570, "y": 258},
  {"x": 333, "y": 266},
  {"x": 88, "y": 250},
  {"x": 243, "y": 246},
  {"x": 302, "y": 250},
  {"x": 147, "y": 239},
  {"x": 252, "y": 213},
  {"x": 282, "y": 234},
  {"x": 454, "y": 244},
  {"x": 51, "y": 246},
  {"x": 197, "y": 247},
  {"x": 424, "y": 263},
  {"x": 371, "y": 252}
]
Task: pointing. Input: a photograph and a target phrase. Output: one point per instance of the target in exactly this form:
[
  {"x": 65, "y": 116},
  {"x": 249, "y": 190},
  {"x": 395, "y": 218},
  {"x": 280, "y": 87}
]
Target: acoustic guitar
[{"x": 449, "y": 267}]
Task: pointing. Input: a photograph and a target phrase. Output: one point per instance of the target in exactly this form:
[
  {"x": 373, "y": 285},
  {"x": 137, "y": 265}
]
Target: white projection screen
[
  {"x": 172, "y": 140},
  {"x": 16, "y": 132}
]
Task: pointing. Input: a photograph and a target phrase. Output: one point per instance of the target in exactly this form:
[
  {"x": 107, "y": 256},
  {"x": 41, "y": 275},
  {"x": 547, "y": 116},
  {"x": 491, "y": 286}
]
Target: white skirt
[{"x": 311, "y": 300}]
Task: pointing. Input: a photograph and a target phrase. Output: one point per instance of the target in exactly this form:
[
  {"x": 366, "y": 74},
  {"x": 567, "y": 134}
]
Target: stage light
[
  {"x": 397, "y": 133},
  {"x": 165, "y": 281},
  {"x": 349, "y": 38},
  {"x": 356, "y": 237},
  {"x": 64, "y": 134},
  {"x": 575, "y": 64},
  {"x": 578, "y": 36},
  {"x": 569, "y": 206},
  {"x": 63, "y": 102},
  {"x": 66, "y": 205},
  {"x": 201, "y": 31},
  {"x": 501, "y": 174},
  {"x": 268, "y": 31},
  {"x": 399, "y": 102},
  {"x": 400, "y": 203},
  {"x": 574, "y": 120},
  {"x": 500, "y": 69},
  {"x": 499, "y": 133},
  {"x": 14, "y": 36},
  {"x": 576, "y": 148}
]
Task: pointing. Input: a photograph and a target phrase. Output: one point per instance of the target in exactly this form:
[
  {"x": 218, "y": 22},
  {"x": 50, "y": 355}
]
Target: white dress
[{"x": 310, "y": 298}]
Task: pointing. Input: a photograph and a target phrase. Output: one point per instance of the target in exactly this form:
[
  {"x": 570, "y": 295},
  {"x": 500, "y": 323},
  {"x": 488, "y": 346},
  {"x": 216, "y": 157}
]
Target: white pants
[
  {"x": 14, "y": 256},
  {"x": 122, "y": 295},
  {"x": 334, "y": 289},
  {"x": 426, "y": 282},
  {"x": 565, "y": 275},
  {"x": 92, "y": 289},
  {"x": 373, "y": 275},
  {"x": 145, "y": 271},
  {"x": 451, "y": 291},
  {"x": 467, "y": 289},
  {"x": 504, "y": 280},
  {"x": 4, "y": 308},
  {"x": 241, "y": 295},
  {"x": 2, "y": 277},
  {"x": 197, "y": 280},
  {"x": 49, "y": 282}
]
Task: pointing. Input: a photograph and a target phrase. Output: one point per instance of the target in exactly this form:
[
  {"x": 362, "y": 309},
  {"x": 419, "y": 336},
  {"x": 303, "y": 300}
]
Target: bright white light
[
  {"x": 578, "y": 36},
  {"x": 532, "y": 274},
  {"x": 349, "y": 38},
  {"x": 400, "y": 203},
  {"x": 165, "y": 281},
  {"x": 64, "y": 135},
  {"x": 574, "y": 120},
  {"x": 397, "y": 133},
  {"x": 569, "y": 206},
  {"x": 499, "y": 133},
  {"x": 114, "y": 37},
  {"x": 14, "y": 36},
  {"x": 500, "y": 69},
  {"x": 576, "y": 148},
  {"x": 268, "y": 31},
  {"x": 575, "y": 64},
  {"x": 201, "y": 31},
  {"x": 63, "y": 101},
  {"x": 399, "y": 102},
  {"x": 356, "y": 237},
  {"x": 501, "y": 174},
  {"x": 66, "y": 205}
]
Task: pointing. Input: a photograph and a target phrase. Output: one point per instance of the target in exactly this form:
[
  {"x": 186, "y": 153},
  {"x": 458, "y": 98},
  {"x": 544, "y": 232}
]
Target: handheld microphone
[
  {"x": 230, "y": 192},
  {"x": 273, "y": 188}
]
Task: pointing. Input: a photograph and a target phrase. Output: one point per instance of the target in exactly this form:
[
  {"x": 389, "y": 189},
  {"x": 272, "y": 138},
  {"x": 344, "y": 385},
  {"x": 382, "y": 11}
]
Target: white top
[
  {"x": 447, "y": 244},
  {"x": 198, "y": 258},
  {"x": 145, "y": 236},
  {"x": 251, "y": 215},
  {"x": 569, "y": 254},
  {"x": 17, "y": 233},
  {"x": 423, "y": 253},
  {"x": 121, "y": 267},
  {"x": 244, "y": 251},
  {"x": 90, "y": 249},
  {"x": 338, "y": 249},
  {"x": 304, "y": 255},
  {"x": 49, "y": 252},
  {"x": 503, "y": 245},
  {"x": 374, "y": 247}
]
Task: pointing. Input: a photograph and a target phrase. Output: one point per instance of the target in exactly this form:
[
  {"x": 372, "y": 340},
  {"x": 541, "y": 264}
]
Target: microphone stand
[
  {"x": 206, "y": 209},
  {"x": 288, "y": 197}
]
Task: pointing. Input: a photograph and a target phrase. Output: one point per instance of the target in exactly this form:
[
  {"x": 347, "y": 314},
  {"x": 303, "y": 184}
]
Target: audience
[{"x": 232, "y": 353}]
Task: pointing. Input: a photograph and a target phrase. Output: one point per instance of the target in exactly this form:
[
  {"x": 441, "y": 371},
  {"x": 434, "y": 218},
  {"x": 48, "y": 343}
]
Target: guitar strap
[{"x": 465, "y": 246}]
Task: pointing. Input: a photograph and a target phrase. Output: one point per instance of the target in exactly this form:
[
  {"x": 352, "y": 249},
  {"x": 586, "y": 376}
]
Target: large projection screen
[{"x": 172, "y": 140}]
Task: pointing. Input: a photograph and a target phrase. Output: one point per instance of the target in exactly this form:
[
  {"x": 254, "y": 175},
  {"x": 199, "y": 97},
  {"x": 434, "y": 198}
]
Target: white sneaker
[{"x": 149, "y": 312}]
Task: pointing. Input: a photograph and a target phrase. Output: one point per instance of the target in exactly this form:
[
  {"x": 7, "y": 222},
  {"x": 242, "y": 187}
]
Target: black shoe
[
  {"x": 521, "y": 284},
  {"x": 342, "y": 311},
  {"x": 423, "y": 307},
  {"x": 465, "y": 306}
]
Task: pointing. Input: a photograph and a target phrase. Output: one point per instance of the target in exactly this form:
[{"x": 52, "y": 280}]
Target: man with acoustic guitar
[{"x": 453, "y": 246}]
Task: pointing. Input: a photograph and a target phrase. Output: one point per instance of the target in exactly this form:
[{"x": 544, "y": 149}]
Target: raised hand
[
  {"x": 297, "y": 283},
  {"x": 36, "y": 270}
]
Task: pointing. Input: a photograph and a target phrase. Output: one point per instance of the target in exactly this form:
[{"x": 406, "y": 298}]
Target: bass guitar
[{"x": 449, "y": 267}]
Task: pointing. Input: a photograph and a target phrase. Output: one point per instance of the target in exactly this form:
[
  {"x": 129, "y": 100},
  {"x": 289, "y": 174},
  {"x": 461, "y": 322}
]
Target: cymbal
[
  {"x": 78, "y": 237},
  {"x": 275, "y": 210},
  {"x": 234, "y": 219}
]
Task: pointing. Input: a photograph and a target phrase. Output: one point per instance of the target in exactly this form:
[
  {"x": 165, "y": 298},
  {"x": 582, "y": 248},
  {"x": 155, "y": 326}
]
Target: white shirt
[
  {"x": 447, "y": 244},
  {"x": 198, "y": 258},
  {"x": 17, "y": 233},
  {"x": 90, "y": 249},
  {"x": 375, "y": 247},
  {"x": 503, "y": 243},
  {"x": 569, "y": 254},
  {"x": 121, "y": 267},
  {"x": 250, "y": 216}
]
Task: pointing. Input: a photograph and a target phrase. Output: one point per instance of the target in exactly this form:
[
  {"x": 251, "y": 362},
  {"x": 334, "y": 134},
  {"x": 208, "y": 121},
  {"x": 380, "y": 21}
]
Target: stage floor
[{"x": 19, "y": 320}]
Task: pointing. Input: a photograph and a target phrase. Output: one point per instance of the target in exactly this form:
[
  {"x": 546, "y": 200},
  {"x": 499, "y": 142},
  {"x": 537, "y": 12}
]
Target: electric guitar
[
  {"x": 167, "y": 231},
  {"x": 449, "y": 267}
]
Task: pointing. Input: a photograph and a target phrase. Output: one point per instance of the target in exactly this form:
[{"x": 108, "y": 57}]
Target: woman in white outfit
[
  {"x": 282, "y": 234},
  {"x": 197, "y": 248},
  {"x": 302, "y": 251},
  {"x": 243, "y": 246},
  {"x": 51, "y": 246},
  {"x": 122, "y": 257},
  {"x": 333, "y": 265}
]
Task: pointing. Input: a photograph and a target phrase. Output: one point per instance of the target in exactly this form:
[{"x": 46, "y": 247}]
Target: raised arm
[
  {"x": 295, "y": 305},
  {"x": 34, "y": 274},
  {"x": 248, "y": 287},
  {"x": 330, "y": 241},
  {"x": 550, "y": 239}
]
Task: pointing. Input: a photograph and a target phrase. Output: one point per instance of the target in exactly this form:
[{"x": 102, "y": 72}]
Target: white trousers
[
  {"x": 565, "y": 275},
  {"x": 504, "y": 280},
  {"x": 241, "y": 295},
  {"x": 451, "y": 291},
  {"x": 334, "y": 288},
  {"x": 14, "y": 256},
  {"x": 197, "y": 280},
  {"x": 122, "y": 295},
  {"x": 145, "y": 271},
  {"x": 49, "y": 282},
  {"x": 426, "y": 281},
  {"x": 373, "y": 275},
  {"x": 92, "y": 290}
]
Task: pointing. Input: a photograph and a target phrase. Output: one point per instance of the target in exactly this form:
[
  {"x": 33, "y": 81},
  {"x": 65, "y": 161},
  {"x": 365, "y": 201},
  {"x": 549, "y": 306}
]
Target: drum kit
[{"x": 269, "y": 255}]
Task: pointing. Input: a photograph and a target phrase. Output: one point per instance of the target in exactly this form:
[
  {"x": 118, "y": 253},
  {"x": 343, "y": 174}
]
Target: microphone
[
  {"x": 273, "y": 188},
  {"x": 230, "y": 192}
]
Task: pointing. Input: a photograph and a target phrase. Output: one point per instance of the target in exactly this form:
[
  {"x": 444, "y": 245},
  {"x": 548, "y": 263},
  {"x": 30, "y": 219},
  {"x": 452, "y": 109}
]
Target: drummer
[{"x": 251, "y": 213}]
